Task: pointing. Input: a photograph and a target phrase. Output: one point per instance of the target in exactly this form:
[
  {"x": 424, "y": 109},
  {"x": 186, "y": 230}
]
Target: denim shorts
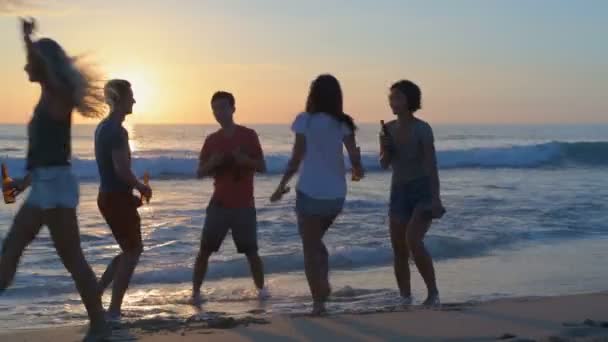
[
  {"x": 308, "y": 206},
  {"x": 53, "y": 187},
  {"x": 406, "y": 197}
]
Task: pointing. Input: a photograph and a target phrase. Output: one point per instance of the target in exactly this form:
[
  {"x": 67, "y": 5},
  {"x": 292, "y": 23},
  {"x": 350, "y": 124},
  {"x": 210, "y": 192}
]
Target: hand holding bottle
[
  {"x": 385, "y": 138},
  {"x": 144, "y": 188}
]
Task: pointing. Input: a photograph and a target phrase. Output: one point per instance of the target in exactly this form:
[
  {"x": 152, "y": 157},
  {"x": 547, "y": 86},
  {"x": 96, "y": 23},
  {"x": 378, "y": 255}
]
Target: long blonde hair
[{"x": 69, "y": 73}]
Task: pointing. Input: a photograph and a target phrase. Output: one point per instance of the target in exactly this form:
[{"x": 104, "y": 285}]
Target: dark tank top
[{"x": 49, "y": 140}]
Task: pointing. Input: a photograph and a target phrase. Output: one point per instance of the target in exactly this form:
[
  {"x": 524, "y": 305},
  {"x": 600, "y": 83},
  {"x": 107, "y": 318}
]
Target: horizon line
[{"x": 359, "y": 122}]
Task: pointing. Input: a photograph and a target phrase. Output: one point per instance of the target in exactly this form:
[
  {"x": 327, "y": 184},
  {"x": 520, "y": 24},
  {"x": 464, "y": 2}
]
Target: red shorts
[{"x": 119, "y": 209}]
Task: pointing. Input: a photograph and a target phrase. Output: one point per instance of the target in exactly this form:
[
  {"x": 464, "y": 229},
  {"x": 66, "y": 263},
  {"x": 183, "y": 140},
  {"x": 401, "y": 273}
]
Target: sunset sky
[{"x": 477, "y": 61}]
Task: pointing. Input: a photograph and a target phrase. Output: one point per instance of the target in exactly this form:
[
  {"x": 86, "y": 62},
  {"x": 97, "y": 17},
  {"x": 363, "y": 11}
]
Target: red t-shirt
[{"x": 233, "y": 185}]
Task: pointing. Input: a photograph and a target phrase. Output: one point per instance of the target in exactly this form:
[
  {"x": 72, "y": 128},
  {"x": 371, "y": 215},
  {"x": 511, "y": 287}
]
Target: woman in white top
[{"x": 320, "y": 134}]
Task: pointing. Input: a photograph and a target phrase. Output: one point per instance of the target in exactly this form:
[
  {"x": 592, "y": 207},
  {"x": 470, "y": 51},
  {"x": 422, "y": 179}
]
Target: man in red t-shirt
[{"x": 231, "y": 156}]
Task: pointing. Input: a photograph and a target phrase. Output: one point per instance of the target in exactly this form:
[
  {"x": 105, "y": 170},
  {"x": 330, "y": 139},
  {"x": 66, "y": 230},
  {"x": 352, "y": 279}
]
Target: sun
[{"x": 142, "y": 83}]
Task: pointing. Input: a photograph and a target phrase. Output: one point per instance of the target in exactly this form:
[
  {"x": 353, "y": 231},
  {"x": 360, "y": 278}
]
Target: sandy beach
[
  {"x": 219, "y": 170},
  {"x": 564, "y": 318}
]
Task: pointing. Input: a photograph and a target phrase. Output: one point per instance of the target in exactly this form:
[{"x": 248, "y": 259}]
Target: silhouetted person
[
  {"x": 232, "y": 156},
  {"x": 320, "y": 133},
  {"x": 409, "y": 150},
  {"x": 53, "y": 198},
  {"x": 116, "y": 201}
]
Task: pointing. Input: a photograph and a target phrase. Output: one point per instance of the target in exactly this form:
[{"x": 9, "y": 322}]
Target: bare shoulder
[
  {"x": 391, "y": 125},
  {"x": 212, "y": 136},
  {"x": 247, "y": 130},
  {"x": 423, "y": 125}
]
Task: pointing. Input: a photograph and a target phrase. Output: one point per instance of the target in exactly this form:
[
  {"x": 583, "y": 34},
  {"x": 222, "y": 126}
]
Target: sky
[{"x": 476, "y": 61}]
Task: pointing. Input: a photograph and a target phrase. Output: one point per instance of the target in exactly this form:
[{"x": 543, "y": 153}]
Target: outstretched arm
[
  {"x": 28, "y": 26},
  {"x": 354, "y": 154},
  {"x": 297, "y": 154}
]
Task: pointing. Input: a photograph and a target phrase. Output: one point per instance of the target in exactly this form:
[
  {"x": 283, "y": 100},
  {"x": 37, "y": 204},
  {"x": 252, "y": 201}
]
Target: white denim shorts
[{"x": 53, "y": 187}]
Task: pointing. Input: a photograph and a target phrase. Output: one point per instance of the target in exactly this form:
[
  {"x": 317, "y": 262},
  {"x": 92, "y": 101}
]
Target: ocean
[{"x": 527, "y": 215}]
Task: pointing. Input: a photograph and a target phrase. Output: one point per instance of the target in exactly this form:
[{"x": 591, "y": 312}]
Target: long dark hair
[{"x": 325, "y": 96}]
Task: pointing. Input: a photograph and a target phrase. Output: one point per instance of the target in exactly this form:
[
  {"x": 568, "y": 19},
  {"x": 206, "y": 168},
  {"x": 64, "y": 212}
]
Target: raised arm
[
  {"x": 28, "y": 26},
  {"x": 58, "y": 92}
]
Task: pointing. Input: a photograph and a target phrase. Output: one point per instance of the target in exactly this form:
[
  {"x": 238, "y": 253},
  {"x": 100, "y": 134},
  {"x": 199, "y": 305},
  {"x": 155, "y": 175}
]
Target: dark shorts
[
  {"x": 308, "y": 206},
  {"x": 241, "y": 221},
  {"x": 119, "y": 209},
  {"x": 406, "y": 197}
]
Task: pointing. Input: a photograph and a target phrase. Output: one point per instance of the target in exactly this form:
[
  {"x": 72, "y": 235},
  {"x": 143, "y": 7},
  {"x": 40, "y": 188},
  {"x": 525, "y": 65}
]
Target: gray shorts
[
  {"x": 308, "y": 206},
  {"x": 242, "y": 222}
]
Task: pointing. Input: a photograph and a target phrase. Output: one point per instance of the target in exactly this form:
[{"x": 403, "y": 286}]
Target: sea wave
[{"x": 182, "y": 164}]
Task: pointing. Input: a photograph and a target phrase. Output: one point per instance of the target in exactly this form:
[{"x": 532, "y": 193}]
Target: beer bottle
[
  {"x": 9, "y": 194},
  {"x": 146, "y": 183}
]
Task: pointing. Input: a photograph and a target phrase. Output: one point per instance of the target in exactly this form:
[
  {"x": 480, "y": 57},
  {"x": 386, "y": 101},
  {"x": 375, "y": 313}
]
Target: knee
[
  {"x": 254, "y": 258},
  {"x": 311, "y": 249},
  {"x": 74, "y": 262},
  {"x": 401, "y": 254},
  {"x": 415, "y": 245},
  {"x": 204, "y": 254},
  {"x": 311, "y": 241},
  {"x": 323, "y": 250},
  {"x": 138, "y": 250},
  {"x": 134, "y": 253},
  {"x": 11, "y": 246}
]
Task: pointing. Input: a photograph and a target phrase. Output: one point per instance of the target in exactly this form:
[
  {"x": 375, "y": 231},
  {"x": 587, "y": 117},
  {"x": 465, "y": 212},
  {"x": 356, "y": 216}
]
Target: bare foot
[
  {"x": 98, "y": 334},
  {"x": 196, "y": 300},
  {"x": 318, "y": 309},
  {"x": 406, "y": 300},
  {"x": 113, "y": 317},
  {"x": 263, "y": 294},
  {"x": 432, "y": 300}
]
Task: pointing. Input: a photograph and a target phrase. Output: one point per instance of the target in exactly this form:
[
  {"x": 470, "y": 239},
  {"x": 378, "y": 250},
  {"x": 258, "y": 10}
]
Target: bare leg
[
  {"x": 26, "y": 225},
  {"x": 124, "y": 271},
  {"x": 200, "y": 270},
  {"x": 63, "y": 226},
  {"x": 108, "y": 275},
  {"x": 416, "y": 230},
  {"x": 315, "y": 259},
  {"x": 324, "y": 256},
  {"x": 257, "y": 269},
  {"x": 401, "y": 256}
]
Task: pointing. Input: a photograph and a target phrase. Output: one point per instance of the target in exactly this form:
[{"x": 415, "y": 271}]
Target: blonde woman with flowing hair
[{"x": 54, "y": 193}]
